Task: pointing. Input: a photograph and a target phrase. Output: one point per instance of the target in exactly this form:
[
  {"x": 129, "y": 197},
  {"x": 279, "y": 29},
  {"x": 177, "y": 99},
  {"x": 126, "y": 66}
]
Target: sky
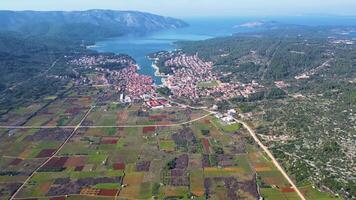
[{"x": 191, "y": 8}]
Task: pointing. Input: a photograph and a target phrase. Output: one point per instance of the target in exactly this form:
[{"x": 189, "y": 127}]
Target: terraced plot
[{"x": 198, "y": 159}]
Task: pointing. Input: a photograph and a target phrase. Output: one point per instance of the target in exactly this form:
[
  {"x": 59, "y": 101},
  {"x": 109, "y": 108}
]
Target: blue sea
[{"x": 199, "y": 29}]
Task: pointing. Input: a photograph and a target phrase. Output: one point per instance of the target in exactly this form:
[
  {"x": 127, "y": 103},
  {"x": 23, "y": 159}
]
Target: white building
[{"x": 232, "y": 112}]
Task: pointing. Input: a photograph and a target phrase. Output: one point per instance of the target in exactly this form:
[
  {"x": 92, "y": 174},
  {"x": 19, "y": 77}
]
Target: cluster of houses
[
  {"x": 190, "y": 72},
  {"x": 228, "y": 117},
  {"x": 344, "y": 42},
  {"x": 157, "y": 103},
  {"x": 281, "y": 84},
  {"x": 133, "y": 86},
  {"x": 103, "y": 60},
  {"x": 130, "y": 85}
]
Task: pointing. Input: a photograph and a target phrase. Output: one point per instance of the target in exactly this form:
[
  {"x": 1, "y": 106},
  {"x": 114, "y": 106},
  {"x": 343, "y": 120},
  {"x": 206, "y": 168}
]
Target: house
[
  {"x": 228, "y": 119},
  {"x": 232, "y": 112}
]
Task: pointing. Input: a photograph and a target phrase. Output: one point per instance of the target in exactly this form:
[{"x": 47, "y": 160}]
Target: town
[
  {"x": 191, "y": 78},
  {"x": 194, "y": 79},
  {"x": 130, "y": 86}
]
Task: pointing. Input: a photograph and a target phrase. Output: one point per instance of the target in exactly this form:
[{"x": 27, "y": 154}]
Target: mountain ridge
[{"x": 88, "y": 24}]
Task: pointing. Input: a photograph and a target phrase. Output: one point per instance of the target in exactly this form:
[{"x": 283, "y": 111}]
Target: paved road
[
  {"x": 264, "y": 148},
  {"x": 275, "y": 162},
  {"x": 118, "y": 126}
]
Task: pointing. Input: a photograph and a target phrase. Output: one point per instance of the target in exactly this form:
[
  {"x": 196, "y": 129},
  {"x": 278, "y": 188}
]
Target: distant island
[{"x": 258, "y": 24}]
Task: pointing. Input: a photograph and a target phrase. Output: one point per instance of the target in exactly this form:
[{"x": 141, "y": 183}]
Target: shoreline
[{"x": 157, "y": 73}]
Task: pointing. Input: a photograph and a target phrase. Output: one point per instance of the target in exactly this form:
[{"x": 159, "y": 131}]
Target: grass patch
[
  {"x": 227, "y": 128},
  {"x": 217, "y": 172},
  {"x": 208, "y": 84},
  {"x": 167, "y": 145},
  {"x": 108, "y": 185},
  {"x": 197, "y": 183},
  {"x": 97, "y": 158}
]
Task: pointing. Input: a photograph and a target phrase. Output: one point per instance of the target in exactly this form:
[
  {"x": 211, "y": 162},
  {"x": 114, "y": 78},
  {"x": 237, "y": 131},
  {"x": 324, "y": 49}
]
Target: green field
[{"x": 208, "y": 84}]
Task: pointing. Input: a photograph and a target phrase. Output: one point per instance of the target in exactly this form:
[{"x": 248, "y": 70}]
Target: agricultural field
[
  {"x": 114, "y": 114},
  {"x": 86, "y": 144},
  {"x": 202, "y": 159}
]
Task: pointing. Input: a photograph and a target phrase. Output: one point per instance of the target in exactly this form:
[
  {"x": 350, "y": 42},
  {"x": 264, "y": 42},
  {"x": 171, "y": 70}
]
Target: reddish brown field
[
  {"x": 55, "y": 163},
  {"x": 119, "y": 166},
  {"x": 89, "y": 191},
  {"x": 108, "y": 193},
  {"x": 158, "y": 117},
  {"x": 44, "y": 187},
  {"x": 75, "y": 162},
  {"x": 262, "y": 167},
  {"x": 273, "y": 180},
  {"x": 46, "y": 153},
  {"x": 148, "y": 129},
  {"x": 109, "y": 140},
  {"x": 15, "y": 161},
  {"x": 206, "y": 145},
  {"x": 207, "y": 122},
  {"x": 134, "y": 179}
]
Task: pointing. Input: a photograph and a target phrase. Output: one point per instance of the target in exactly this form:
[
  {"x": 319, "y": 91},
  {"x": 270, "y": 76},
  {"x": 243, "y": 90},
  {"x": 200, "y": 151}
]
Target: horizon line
[{"x": 187, "y": 16}]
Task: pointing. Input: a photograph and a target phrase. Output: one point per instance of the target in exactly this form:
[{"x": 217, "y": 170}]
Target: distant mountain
[{"x": 91, "y": 24}]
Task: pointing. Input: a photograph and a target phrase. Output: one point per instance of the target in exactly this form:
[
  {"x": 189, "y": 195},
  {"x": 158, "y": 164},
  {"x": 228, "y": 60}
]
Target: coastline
[
  {"x": 137, "y": 66},
  {"x": 157, "y": 73}
]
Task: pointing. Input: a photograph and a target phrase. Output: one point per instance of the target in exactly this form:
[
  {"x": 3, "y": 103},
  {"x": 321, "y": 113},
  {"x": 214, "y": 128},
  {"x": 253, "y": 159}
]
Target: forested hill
[
  {"x": 23, "y": 61},
  {"x": 91, "y": 24},
  {"x": 279, "y": 54}
]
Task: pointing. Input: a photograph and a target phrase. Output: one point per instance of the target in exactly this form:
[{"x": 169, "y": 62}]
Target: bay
[
  {"x": 140, "y": 46},
  {"x": 199, "y": 29}
]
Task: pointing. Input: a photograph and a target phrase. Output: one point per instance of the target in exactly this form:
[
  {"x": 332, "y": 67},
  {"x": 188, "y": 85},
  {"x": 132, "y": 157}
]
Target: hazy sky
[{"x": 181, "y": 8}]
